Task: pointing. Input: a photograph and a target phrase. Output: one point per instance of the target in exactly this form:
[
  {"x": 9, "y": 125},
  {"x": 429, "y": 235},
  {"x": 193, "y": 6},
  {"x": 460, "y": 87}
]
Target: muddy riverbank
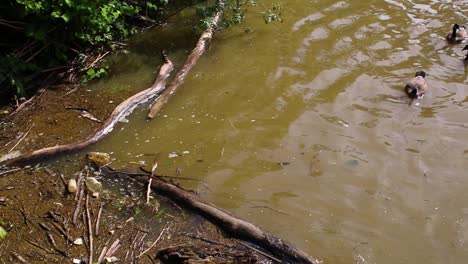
[
  {"x": 38, "y": 212},
  {"x": 43, "y": 224}
]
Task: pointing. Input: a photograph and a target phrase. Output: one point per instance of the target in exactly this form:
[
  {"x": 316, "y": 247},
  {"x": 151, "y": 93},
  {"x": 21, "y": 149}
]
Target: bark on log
[
  {"x": 191, "y": 60},
  {"x": 122, "y": 110},
  {"x": 230, "y": 224}
]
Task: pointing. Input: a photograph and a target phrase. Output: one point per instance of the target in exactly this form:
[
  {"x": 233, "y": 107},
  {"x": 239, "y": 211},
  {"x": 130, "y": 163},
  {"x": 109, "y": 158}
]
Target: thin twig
[
  {"x": 154, "y": 243},
  {"x": 37, "y": 52},
  {"x": 99, "y": 57},
  {"x": 207, "y": 240},
  {"x": 27, "y": 102},
  {"x": 38, "y": 246},
  {"x": 90, "y": 229},
  {"x": 103, "y": 253},
  {"x": 54, "y": 244},
  {"x": 268, "y": 207},
  {"x": 21, "y": 139},
  {"x": 63, "y": 231},
  {"x": 64, "y": 181},
  {"x": 79, "y": 184},
  {"x": 134, "y": 240},
  {"x": 113, "y": 248},
  {"x": 76, "y": 108},
  {"x": 19, "y": 258},
  {"x": 78, "y": 206},
  {"x": 150, "y": 180},
  {"x": 9, "y": 171},
  {"x": 98, "y": 219},
  {"x": 259, "y": 251}
]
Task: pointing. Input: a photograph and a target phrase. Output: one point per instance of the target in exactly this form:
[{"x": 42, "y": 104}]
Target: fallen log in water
[
  {"x": 192, "y": 59},
  {"x": 230, "y": 224},
  {"x": 122, "y": 110}
]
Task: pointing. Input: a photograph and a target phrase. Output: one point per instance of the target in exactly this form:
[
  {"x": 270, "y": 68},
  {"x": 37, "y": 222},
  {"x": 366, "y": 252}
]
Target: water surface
[{"x": 302, "y": 128}]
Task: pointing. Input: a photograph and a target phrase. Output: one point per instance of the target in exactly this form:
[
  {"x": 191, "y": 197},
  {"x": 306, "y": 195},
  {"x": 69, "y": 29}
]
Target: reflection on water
[{"x": 308, "y": 118}]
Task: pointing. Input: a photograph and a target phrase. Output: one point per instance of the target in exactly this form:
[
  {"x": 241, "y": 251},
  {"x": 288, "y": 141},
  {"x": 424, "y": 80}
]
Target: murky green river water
[{"x": 303, "y": 128}]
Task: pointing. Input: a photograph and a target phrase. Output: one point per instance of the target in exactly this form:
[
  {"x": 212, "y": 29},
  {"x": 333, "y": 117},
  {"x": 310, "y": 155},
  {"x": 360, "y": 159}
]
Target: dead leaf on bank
[{"x": 89, "y": 116}]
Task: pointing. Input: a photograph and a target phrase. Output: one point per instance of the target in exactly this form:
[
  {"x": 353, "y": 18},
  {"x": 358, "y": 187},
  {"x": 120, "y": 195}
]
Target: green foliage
[
  {"x": 38, "y": 35},
  {"x": 15, "y": 72},
  {"x": 273, "y": 14},
  {"x": 93, "y": 21},
  {"x": 94, "y": 73},
  {"x": 159, "y": 213},
  {"x": 3, "y": 233}
]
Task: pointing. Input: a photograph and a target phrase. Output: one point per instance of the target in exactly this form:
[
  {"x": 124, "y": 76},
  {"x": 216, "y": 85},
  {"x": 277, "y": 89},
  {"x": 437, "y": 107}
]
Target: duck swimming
[
  {"x": 466, "y": 48},
  {"x": 458, "y": 34},
  {"x": 417, "y": 87}
]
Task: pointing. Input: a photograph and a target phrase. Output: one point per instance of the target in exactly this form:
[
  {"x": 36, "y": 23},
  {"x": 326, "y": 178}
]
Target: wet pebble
[{"x": 72, "y": 186}]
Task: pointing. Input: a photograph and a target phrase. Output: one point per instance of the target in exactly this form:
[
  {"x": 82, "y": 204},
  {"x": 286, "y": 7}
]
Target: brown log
[
  {"x": 122, "y": 110},
  {"x": 230, "y": 224},
  {"x": 191, "y": 60}
]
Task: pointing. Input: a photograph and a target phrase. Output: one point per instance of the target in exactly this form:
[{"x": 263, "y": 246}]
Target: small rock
[
  {"x": 99, "y": 158},
  {"x": 72, "y": 186},
  {"x": 111, "y": 232},
  {"x": 186, "y": 152},
  {"x": 93, "y": 184},
  {"x": 78, "y": 241},
  {"x": 112, "y": 259},
  {"x": 95, "y": 195}
]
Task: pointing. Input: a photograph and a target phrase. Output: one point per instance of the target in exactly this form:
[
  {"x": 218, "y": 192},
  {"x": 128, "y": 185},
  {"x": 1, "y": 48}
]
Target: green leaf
[
  {"x": 65, "y": 17},
  {"x": 91, "y": 72},
  {"x": 3, "y": 233}
]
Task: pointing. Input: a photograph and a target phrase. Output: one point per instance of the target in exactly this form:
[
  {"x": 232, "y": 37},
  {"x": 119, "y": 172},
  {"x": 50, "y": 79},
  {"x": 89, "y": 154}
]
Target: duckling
[
  {"x": 417, "y": 87},
  {"x": 466, "y": 48},
  {"x": 458, "y": 34}
]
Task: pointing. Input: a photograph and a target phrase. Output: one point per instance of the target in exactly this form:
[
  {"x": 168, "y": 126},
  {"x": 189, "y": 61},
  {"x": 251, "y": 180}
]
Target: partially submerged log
[
  {"x": 122, "y": 110},
  {"x": 230, "y": 224},
  {"x": 191, "y": 60}
]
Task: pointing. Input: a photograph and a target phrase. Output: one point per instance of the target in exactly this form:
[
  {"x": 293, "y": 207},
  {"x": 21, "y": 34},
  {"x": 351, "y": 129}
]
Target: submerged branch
[
  {"x": 122, "y": 110},
  {"x": 232, "y": 225},
  {"x": 192, "y": 59}
]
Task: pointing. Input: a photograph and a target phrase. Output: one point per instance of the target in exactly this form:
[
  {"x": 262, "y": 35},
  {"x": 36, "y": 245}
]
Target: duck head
[
  {"x": 452, "y": 37},
  {"x": 422, "y": 73}
]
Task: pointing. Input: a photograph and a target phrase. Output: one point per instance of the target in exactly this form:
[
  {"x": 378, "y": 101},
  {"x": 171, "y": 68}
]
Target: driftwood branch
[
  {"x": 191, "y": 60},
  {"x": 230, "y": 224},
  {"x": 122, "y": 110}
]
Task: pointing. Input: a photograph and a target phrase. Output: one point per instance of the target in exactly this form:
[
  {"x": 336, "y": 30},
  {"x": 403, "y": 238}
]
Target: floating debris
[
  {"x": 284, "y": 163},
  {"x": 99, "y": 158},
  {"x": 89, "y": 116},
  {"x": 173, "y": 155}
]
